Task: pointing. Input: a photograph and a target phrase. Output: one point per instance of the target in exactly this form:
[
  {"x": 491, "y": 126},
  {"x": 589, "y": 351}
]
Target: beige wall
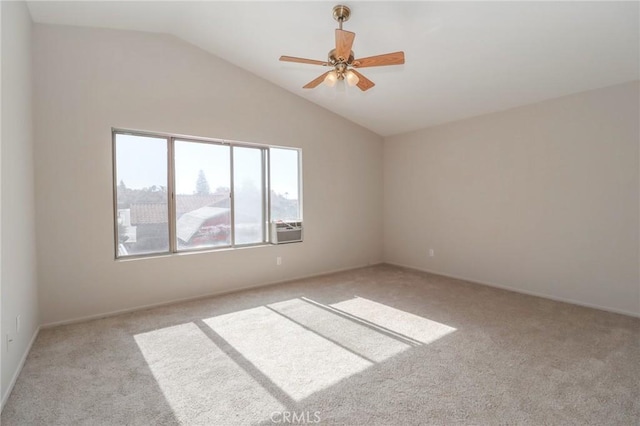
[
  {"x": 88, "y": 80},
  {"x": 540, "y": 199},
  {"x": 18, "y": 265}
]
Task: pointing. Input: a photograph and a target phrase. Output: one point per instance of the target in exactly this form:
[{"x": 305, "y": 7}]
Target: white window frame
[{"x": 171, "y": 201}]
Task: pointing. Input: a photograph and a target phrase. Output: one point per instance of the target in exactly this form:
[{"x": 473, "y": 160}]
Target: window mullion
[
  {"x": 173, "y": 240},
  {"x": 115, "y": 194},
  {"x": 266, "y": 198},
  {"x": 232, "y": 193}
]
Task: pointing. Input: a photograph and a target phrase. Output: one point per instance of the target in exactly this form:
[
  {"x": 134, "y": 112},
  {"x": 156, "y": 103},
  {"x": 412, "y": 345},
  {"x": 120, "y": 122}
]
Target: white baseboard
[
  {"x": 518, "y": 290},
  {"x": 5, "y": 397},
  {"x": 203, "y": 296}
]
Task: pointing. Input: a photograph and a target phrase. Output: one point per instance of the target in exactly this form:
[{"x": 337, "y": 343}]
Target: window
[
  {"x": 203, "y": 182},
  {"x": 248, "y": 195},
  {"x": 142, "y": 197},
  {"x": 285, "y": 184},
  {"x": 176, "y": 194}
]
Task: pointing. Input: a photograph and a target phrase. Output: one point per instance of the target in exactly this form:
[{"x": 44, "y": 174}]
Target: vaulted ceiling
[{"x": 462, "y": 58}]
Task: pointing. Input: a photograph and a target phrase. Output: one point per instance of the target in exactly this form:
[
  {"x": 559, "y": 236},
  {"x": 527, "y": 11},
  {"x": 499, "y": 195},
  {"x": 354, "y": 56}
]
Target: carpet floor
[{"x": 374, "y": 346}]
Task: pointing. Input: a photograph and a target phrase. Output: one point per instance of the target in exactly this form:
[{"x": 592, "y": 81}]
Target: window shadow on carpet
[{"x": 269, "y": 358}]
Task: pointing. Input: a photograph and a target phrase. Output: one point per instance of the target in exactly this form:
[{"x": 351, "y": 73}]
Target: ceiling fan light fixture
[
  {"x": 342, "y": 58},
  {"x": 352, "y": 78},
  {"x": 331, "y": 79}
]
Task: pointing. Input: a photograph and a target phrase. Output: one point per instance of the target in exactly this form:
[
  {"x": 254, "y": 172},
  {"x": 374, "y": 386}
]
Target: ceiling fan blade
[
  {"x": 363, "y": 82},
  {"x": 302, "y": 60},
  {"x": 316, "y": 81},
  {"x": 344, "y": 42},
  {"x": 395, "y": 58}
]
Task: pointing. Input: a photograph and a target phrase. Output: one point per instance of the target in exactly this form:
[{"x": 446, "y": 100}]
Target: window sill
[{"x": 197, "y": 251}]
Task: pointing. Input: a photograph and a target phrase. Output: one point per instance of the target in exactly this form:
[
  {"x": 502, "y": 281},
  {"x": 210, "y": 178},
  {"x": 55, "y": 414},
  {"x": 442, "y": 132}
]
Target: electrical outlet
[
  {"x": 279, "y": 260},
  {"x": 432, "y": 252},
  {"x": 17, "y": 323}
]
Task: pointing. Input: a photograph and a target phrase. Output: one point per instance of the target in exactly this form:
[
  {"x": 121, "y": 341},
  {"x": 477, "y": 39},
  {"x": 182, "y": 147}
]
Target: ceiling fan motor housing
[{"x": 334, "y": 60}]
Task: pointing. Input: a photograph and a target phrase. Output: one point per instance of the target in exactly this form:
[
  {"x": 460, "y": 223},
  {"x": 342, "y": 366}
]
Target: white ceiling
[{"x": 462, "y": 58}]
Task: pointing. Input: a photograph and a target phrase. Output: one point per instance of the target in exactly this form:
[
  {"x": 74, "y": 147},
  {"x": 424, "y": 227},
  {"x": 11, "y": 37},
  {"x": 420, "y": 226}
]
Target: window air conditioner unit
[{"x": 286, "y": 232}]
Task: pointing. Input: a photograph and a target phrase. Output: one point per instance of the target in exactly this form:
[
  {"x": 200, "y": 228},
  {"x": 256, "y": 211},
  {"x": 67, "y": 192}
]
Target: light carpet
[{"x": 374, "y": 346}]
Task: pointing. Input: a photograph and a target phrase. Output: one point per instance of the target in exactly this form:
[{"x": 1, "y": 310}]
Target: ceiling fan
[{"x": 341, "y": 59}]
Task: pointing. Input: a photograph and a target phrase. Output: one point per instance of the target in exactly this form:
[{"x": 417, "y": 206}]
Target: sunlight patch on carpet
[
  {"x": 201, "y": 382},
  {"x": 262, "y": 359},
  {"x": 351, "y": 335},
  {"x": 413, "y": 326},
  {"x": 298, "y": 361}
]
